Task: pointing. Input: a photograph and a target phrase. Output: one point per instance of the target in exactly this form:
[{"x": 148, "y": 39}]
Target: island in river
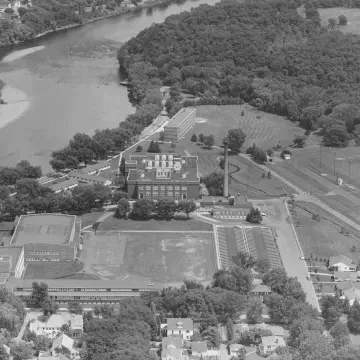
[{"x": 73, "y": 84}]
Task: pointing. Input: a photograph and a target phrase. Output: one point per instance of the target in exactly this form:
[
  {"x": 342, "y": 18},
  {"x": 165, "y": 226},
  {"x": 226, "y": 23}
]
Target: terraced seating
[{"x": 223, "y": 248}]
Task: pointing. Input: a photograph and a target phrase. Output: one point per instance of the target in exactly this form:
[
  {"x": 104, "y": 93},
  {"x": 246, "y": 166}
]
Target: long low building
[{"x": 63, "y": 291}]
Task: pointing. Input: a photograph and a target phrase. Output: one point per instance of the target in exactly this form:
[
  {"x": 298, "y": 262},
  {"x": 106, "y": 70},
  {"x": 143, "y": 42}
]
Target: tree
[
  {"x": 20, "y": 351},
  {"x": 65, "y": 329},
  {"x": 336, "y": 135},
  {"x": 201, "y": 138},
  {"x": 9, "y": 10},
  {"x": 331, "y": 309},
  {"x": 244, "y": 260},
  {"x": 212, "y": 337},
  {"x": 165, "y": 208},
  {"x": 259, "y": 155},
  {"x": 39, "y": 293},
  {"x": 214, "y": 182},
  {"x": 123, "y": 207},
  {"x": 187, "y": 206},
  {"x": 192, "y": 284},
  {"x": 75, "y": 308},
  {"x": 4, "y": 192},
  {"x": 300, "y": 141},
  {"x": 254, "y": 216},
  {"x": 139, "y": 148},
  {"x": 3, "y": 353},
  {"x": 50, "y": 308},
  {"x": 118, "y": 195},
  {"x": 162, "y": 136},
  {"x": 331, "y": 23},
  {"x": 42, "y": 343},
  {"x": 154, "y": 147},
  {"x": 142, "y": 209},
  {"x": 279, "y": 308},
  {"x": 354, "y": 317},
  {"x": 230, "y": 329},
  {"x": 262, "y": 266},
  {"x": 253, "y": 336},
  {"x": 243, "y": 279},
  {"x": 194, "y": 138},
  {"x": 236, "y": 139},
  {"x": 209, "y": 141},
  {"x": 342, "y": 20},
  {"x": 340, "y": 334},
  {"x": 302, "y": 326},
  {"x": 314, "y": 346},
  {"x": 254, "y": 311},
  {"x": 242, "y": 354}
]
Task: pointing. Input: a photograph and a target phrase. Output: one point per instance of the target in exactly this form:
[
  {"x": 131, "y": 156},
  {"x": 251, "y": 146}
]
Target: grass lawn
[
  {"x": 89, "y": 218},
  {"x": 323, "y": 239},
  {"x": 353, "y": 16},
  {"x": 160, "y": 257},
  {"x": 52, "y": 270},
  {"x": 176, "y": 224}
]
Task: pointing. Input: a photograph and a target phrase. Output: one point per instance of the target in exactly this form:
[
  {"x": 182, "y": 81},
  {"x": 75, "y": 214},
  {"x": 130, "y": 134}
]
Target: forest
[
  {"x": 49, "y": 15},
  {"x": 262, "y": 52}
]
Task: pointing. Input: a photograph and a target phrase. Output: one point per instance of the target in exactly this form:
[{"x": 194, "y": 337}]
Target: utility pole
[
  {"x": 334, "y": 163},
  {"x": 349, "y": 169},
  {"x": 320, "y": 154},
  {"x": 226, "y": 168}
]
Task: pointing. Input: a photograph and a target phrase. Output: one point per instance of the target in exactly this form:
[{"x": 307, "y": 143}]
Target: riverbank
[
  {"x": 21, "y": 53},
  {"x": 16, "y": 103}
]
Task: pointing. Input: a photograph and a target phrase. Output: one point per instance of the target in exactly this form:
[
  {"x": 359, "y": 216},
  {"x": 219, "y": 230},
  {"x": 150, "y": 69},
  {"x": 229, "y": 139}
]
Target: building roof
[
  {"x": 44, "y": 228},
  {"x": 346, "y": 275},
  {"x": 180, "y": 116},
  {"x": 6, "y": 226},
  {"x": 180, "y": 324},
  {"x": 235, "y": 347},
  {"x": 3, "y": 278},
  {"x": 273, "y": 341},
  {"x": 340, "y": 259},
  {"x": 63, "y": 340},
  {"x": 87, "y": 178},
  {"x": 63, "y": 184},
  {"x": 88, "y": 284},
  {"x": 12, "y": 252},
  {"x": 175, "y": 342},
  {"x": 172, "y": 352},
  {"x": 179, "y": 168},
  {"x": 95, "y": 167},
  {"x": 199, "y": 346},
  {"x": 261, "y": 288}
]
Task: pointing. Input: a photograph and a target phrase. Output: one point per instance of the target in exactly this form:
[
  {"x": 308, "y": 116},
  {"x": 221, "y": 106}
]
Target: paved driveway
[{"x": 278, "y": 218}]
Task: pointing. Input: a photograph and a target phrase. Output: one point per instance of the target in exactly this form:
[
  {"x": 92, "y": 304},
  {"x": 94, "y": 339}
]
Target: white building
[
  {"x": 270, "y": 343},
  {"x": 63, "y": 341},
  {"x": 52, "y": 327},
  {"x": 234, "y": 349},
  {"x": 342, "y": 263},
  {"x": 64, "y": 186},
  {"x": 182, "y": 327}
]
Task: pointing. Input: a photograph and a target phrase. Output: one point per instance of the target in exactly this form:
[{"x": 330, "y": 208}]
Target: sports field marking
[{"x": 156, "y": 231}]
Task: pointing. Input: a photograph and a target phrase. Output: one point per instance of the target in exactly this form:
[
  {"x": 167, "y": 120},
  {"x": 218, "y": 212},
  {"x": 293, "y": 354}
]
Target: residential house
[
  {"x": 52, "y": 326},
  {"x": 172, "y": 342},
  {"x": 234, "y": 349},
  {"x": 351, "y": 293},
  {"x": 182, "y": 327},
  {"x": 345, "y": 276},
  {"x": 63, "y": 341},
  {"x": 270, "y": 343},
  {"x": 261, "y": 291},
  {"x": 287, "y": 156},
  {"x": 171, "y": 354},
  {"x": 342, "y": 263},
  {"x": 199, "y": 348}
]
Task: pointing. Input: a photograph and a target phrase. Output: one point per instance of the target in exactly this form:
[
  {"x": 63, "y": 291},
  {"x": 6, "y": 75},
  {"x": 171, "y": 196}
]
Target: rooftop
[
  {"x": 95, "y": 167},
  {"x": 163, "y": 168},
  {"x": 180, "y": 116},
  {"x": 85, "y": 177},
  {"x": 63, "y": 340},
  {"x": 273, "y": 341},
  {"x": 346, "y": 275},
  {"x": 44, "y": 228},
  {"x": 63, "y": 184},
  {"x": 172, "y": 352},
  {"x": 340, "y": 259},
  {"x": 6, "y": 226},
  {"x": 180, "y": 324},
  {"x": 13, "y": 252},
  {"x": 64, "y": 284},
  {"x": 261, "y": 289},
  {"x": 175, "y": 342},
  {"x": 199, "y": 346}
]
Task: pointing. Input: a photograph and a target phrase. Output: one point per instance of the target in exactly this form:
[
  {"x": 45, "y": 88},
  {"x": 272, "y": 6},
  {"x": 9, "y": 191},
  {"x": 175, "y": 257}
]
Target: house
[
  {"x": 63, "y": 341},
  {"x": 345, "y": 275},
  {"x": 52, "y": 327},
  {"x": 182, "y": 327},
  {"x": 261, "y": 291},
  {"x": 342, "y": 263},
  {"x": 171, "y": 354},
  {"x": 234, "y": 349},
  {"x": 350, "y": 290},
  {"x": 287, "y": 156},
  {"x": 172, "y": 342},
  {"x": 270, "y": 343},
  {"x": 199, "y": 348}
]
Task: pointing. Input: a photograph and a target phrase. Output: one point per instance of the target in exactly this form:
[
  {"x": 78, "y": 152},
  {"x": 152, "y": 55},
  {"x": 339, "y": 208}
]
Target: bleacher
[{"x": 223, "y": 248}]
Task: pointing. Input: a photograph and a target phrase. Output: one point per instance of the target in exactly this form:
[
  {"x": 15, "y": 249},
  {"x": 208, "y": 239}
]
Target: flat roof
[
  {"x": 13, "y": 252},
  {"x": 85, "y": 177},
  {"x": 63, "y": 184},
  {"x": 180, "y": 116},
  {"x": 94, "y": 167},
  {"x": 44, "y": 228},
  {"x": 87, "y": 284},
  {"x": 6, "y": 226}
]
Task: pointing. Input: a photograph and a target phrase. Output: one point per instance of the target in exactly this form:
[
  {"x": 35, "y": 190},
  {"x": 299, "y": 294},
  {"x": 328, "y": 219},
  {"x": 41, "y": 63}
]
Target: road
[{"x": 288, "y": 245}]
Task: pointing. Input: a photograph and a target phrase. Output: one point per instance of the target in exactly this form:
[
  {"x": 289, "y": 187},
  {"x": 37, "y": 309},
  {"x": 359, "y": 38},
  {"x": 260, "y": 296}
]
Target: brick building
[
  {"x": 46, "y": 237},
  {"x": 160, "y": 176},
  {"x": 180, "y": 124}
]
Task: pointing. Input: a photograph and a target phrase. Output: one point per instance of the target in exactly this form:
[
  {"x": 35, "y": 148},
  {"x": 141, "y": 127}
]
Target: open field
[
  {"x": 52, "y": 271},
  {"x": 266, "y": 131},
  {"x": 157, "y": 256},
  {"x": 353, "y": 16},
  {"x": 89, "y": 218},
  {"x": 178, "y": 223},
  {"x": 323, "y": 239}
]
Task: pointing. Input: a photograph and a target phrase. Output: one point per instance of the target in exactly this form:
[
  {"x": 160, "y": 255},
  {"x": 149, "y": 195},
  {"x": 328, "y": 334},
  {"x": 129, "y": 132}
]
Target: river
[{"x": 72, "y": 84}]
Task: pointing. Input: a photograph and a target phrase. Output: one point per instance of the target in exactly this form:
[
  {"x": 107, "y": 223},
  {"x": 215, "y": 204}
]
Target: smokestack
[{"x": 226, "y": 169}]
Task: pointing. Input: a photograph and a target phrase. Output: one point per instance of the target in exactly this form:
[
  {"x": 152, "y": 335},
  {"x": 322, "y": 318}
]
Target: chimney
[{"x": 226, "y": 168}]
